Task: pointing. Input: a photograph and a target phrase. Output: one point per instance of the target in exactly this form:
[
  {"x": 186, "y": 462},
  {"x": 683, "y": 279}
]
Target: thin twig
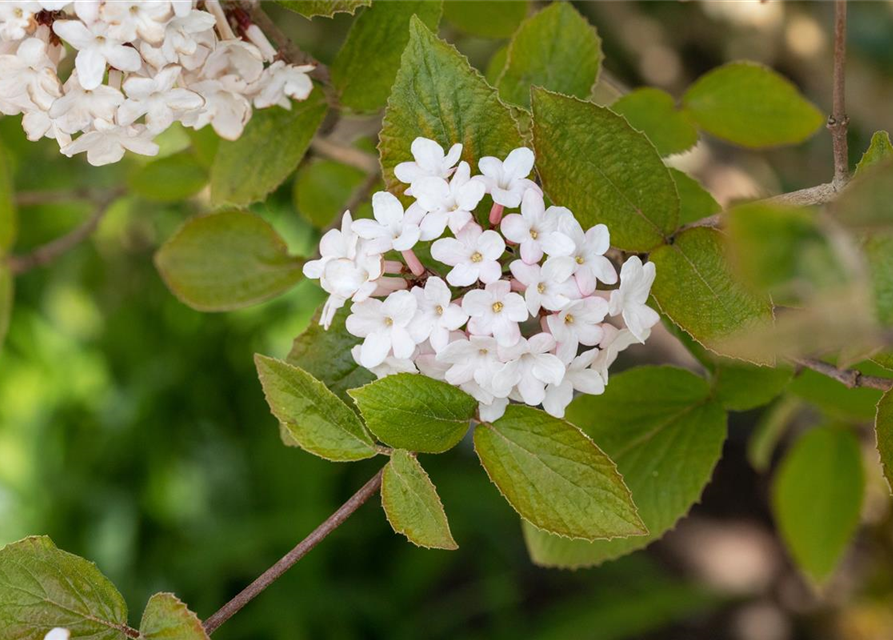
[
  {"x": 34, "y": 198},
  {"x": 352, "y": 156},
  {"x": 48, "y": 252},
  {"x": 847, "y": 377},
  {"x": 838, "y": 121},
  {"x": 275, "y": 572}
]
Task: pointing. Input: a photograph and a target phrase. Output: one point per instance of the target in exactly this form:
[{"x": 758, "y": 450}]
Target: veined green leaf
[
  {"x": 594, "y": 163},
  {"x": 167, "y": 618},
  {"x": 412, "y": 505},
  {"x": 311, "y": 415},
  {"x": 486, "y": 18},
  {"x": 665, "y": 442},
  {"x": 323, "y": 8},
  {"x": 654, "y": 113},
  {"x": 695, "y": 202},
  {"x": 269, "y": 150},
  {"x": 752, "y": 106},
  {"x": 364, "y": 81},
  {"x": 417, "y": 413},
  {"x": 555, "y": 476},
  {"x": 817, "y": 496},
  {"x": 741, "y": 387},
  {"x": 226, "y": 261},
  {"x": 43, "y": 587},
  {"x": 438, "y": 95},
  {"x": 534, "y": 58}
]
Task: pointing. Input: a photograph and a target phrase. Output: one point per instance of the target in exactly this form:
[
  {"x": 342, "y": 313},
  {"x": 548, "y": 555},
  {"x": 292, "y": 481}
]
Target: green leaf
[
  {"x": 414, "y": 412},
  {"x": 226, "y": 261},
  {"x": 884, "y": 359},
  {"x": 8, "y": 216},
  {"x": 311, "y": 415},
  {"x": 867, "y": 201},
  {"x": 555, "y": 476},
  {"x": 486, "y": 18},
  {"x": 883, "y": 428},
  {"x": 412, "y": 505},
  {"x": 364, "y": 81},
  {"x": 324, "y": 8},
  {"x": 665, "y": 442},
  {"x": 169, "y": 179},
  {"x": 496, "y": 63},
  {"x": 42, "y": 587},
  {"x": 695, "y": 202},
  {"x": 835, "y": 399},
  {"x": 697, "y": 290},
  {"x": 879, "y": 151},
  {"x": 879, "y": 253},
  {"x": 752, "y": 106},
  {"x": 742, "y": 387},
  {"x": 167, "y": 618},
  {"x": 438, "y": 95},
  {"x": 249, "y": 169},
  {"x": 534, "y": 58},
  {"x": 817, "y": 496},
  {"x": 654, "y": 113},
  {"x": 323, "y": 187},
  {"x": 7, "y": 299},
  {"x": 325, "y": 354},
  {"x": 769, "y": 429},
  {"x": 594, "y": 163}
]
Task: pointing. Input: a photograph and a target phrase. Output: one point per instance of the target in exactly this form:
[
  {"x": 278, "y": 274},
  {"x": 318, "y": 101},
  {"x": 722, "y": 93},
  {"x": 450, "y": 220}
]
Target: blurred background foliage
[{"x": 134, "y": 432}]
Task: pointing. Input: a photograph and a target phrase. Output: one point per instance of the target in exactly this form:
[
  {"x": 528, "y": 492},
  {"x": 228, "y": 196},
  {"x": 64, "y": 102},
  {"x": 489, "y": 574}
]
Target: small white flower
[
  {"x": 492, "y": 411},
  {"x": 614, "y": 341},
  {"x": 237, "y": 59},
  {"x": 588, "y": 256},
  {"x": 630, "y": 299},
  {"x": 550, "y": 286},
  {"x": 530, "y": 367},
  {"x": 129, "y": 19},
  {"x": 474, "y": 255},
  {"x": 507, "y": 181},
  {"x": 38, "y": 124},
  {"x": 58, "y": 634},
  {"x": 280, "y": 82},
  {"x": 579, "y": 376},
  {"x": 180, "y": 34},
  {"x": 448, "y": 203},
  {"x": 430, "y": 161},
  {"x": 437, "y": 316},
  {"x": 536, "y": 229},
  {"x": 384, "y": 325},
  {"x": 389, "y": 366},
  {"x": 28, "y": 80},
  {"x": 226, "y": 110},
  {"x": 495, "y": 311},
  {"x": 578, "y": 323},
  {"x": 96, "y": 49},
  {"x": 335, "y": 244},
  {"x": 79, "y": 107},
  {"x": 107, "y": 142},
  {"x": 392, "y": 228},
  {"x": 472, "y": 359},
  {"x": 157, "y": 99},
  {"x": 16, "y": 19}
]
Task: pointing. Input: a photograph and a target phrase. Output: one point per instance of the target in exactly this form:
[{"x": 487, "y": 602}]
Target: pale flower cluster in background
[
  {"x": 517, "y": 311},
  {"x": 138, "y": 67}
]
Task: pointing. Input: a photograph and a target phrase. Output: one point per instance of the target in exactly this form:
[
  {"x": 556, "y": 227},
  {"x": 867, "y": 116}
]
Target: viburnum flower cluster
[
  {"x": 514, "y": 311},
  {"x": 139, "y": 66}
]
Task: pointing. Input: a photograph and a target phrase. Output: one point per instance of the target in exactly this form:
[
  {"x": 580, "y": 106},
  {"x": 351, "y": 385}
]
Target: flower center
[
  {"x": 497, "y": 307},
  {"x": 19, "y": 13},
  {"x": 483, "y": 352},
  {"x": 476, "y": 256},
  {"x": 568, "y": 319},
  {"x": 534, "y": 233},
  {"x": 388, "y": 321},
  {"x": 439, "y": 310},
  {"x": 100, "y": 39},
  {"x": 580, "y": 260},
  {"x": 541, "y": 287},
  {"x": 134, "y": 10}
]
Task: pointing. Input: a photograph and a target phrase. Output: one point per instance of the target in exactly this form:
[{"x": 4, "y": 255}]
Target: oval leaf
[
  {"x": 666, "y": 443},
  {"x": 438, "y": 95},
  {"x": 817, "y": 496},
  {"x": 170, "y": 179},
  {"x": 594, "y": 163},
  {"x": 364, "y": 81},
  {"x": 752, "y": 106},
  {"x": 412, "y": 505},
  {"x": 883, "y": 428},
  {"x": 697, "y": 290},
  {"x": 323, "y": 187},
  {"x": 654, "y": 113},
  {"x": 226, "y": 261},
  {"x": 250, "y": 168},
  {"x": 880, "y": 150},
  {"x": 167, "y": 618},
  {"x": 533, "y": 58},
  {"x": 311, "y": 415},
  {"x": 43, "y": 587},
  {"x": 555, "y": 476},
  {"x": 695, "y": 202},
  {"x": 414, "y": 412}
]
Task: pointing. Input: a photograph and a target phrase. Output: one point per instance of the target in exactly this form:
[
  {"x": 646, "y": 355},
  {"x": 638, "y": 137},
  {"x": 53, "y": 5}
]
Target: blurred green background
[{"x": 133, "y": 430}]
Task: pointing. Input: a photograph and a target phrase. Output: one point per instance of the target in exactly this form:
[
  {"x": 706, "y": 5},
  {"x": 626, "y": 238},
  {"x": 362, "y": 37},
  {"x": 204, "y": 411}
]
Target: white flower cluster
[
  {"x": 139, "y": 66},
  {"x": 508, "y": 320}
]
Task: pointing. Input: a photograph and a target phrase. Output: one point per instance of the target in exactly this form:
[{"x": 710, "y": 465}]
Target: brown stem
[
  {"x": 352, "y": 156},
  {"x": 275, "y": 572},
  {"x": 837, "y": 122},
  {"x": 48, "y": 252},
  {"x": 847, "y": 377}
]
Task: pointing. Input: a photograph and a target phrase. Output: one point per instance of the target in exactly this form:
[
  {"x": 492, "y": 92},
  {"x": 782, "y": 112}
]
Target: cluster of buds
[
  {"x": 139, "y": 66},
  {"x": 518, "y": 315}
]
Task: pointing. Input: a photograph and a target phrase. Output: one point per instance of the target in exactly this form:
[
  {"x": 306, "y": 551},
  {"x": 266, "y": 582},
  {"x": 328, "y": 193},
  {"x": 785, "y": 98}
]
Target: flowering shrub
[
  {"x": 139, "y": 66},
  {"x": 537, "y": 270}
]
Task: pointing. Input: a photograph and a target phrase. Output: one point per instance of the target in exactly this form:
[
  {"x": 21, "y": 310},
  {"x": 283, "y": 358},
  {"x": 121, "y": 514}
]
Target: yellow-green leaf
[
  {"x": 7, "y": 298},
  {"x": 654, "y": 113},
  {"x": 695, "y": 202},
  {"x": 170, "y": 179},
  {"x": 167, "y": 618},
  {"x": 8, "y": 215},
  {"x": 880, "y": 150},
  {"x": 486, "y": 18},
  {"x": 883, "y": 427},
  {"x": 323, "y": 8}
]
